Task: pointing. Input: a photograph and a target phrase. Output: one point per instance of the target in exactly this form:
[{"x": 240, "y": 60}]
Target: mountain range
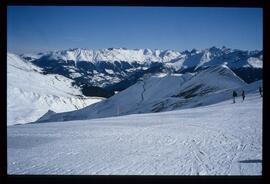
[{"x": 115, "y": 69}]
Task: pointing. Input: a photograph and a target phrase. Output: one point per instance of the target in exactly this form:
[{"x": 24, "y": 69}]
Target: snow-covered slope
[
  {"x": 212, "y": 79},
  {"x": 128, "y": 101},
  {"x": 30, "y": 94},
  {"x": 220, "y": 139},
  {"x": 162, "y": 93}
]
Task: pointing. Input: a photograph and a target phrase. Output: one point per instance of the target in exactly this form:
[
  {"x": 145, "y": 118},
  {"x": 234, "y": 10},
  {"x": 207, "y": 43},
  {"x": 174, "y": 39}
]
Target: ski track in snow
[
  {"x": 142, "y": 97},
  {"x": 220, "y": 139}
]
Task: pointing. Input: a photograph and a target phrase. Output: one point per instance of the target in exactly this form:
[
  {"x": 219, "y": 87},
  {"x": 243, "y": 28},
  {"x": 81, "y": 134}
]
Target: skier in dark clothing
[
  {"x": 260, "y": 90},
  {"x": 243, "y": 95},
  {"x": 234, "y": 95}
]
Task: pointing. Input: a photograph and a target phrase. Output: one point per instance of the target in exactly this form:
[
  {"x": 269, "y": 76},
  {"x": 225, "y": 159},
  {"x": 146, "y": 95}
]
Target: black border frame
[{"x": 127, "y": 179}]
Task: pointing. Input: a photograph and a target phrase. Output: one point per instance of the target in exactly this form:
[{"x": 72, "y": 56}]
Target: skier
[
  {"x": 260, "y": 90},
  {"x": 234, "y": 95},
  {"x": 243, "y": 95}
]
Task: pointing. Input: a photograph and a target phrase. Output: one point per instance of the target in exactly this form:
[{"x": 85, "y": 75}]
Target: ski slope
[{"x": 219, "y": 139}]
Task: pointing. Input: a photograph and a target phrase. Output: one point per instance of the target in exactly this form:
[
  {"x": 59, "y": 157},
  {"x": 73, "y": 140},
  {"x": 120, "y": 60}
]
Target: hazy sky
[{"x": 36, "y": 28}]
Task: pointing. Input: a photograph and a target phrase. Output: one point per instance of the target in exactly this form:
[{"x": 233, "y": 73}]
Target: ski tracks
[
  {"x": 142, "y": 93},
  {"x": 223, "y": 151}
]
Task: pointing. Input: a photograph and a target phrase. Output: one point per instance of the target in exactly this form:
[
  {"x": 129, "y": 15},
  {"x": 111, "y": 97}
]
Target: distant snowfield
[{"x": 220, "y": 139}]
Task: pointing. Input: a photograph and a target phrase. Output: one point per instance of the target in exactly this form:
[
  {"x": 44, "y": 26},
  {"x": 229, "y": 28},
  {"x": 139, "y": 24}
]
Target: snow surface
[
  {"x": 31, "y": 94},
  {"x": 109, "y": 71},
  {"x": 219, "y": 139},
  {"x": 255, "y": 62}
]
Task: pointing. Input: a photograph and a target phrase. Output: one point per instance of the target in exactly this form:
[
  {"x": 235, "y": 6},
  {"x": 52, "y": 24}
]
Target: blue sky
[{"x": 36, "y": 28}]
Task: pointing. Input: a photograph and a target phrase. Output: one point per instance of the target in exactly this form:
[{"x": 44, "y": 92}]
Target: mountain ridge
[{"x": 116, "y": 69}]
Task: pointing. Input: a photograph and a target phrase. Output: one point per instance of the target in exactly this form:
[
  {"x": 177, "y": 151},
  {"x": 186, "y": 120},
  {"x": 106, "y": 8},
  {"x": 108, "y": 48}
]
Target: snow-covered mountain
[
  {"x": 163, "y": 93},
  {"x": 30, "y": 93},
  {"x": 109, "y": 67}
]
